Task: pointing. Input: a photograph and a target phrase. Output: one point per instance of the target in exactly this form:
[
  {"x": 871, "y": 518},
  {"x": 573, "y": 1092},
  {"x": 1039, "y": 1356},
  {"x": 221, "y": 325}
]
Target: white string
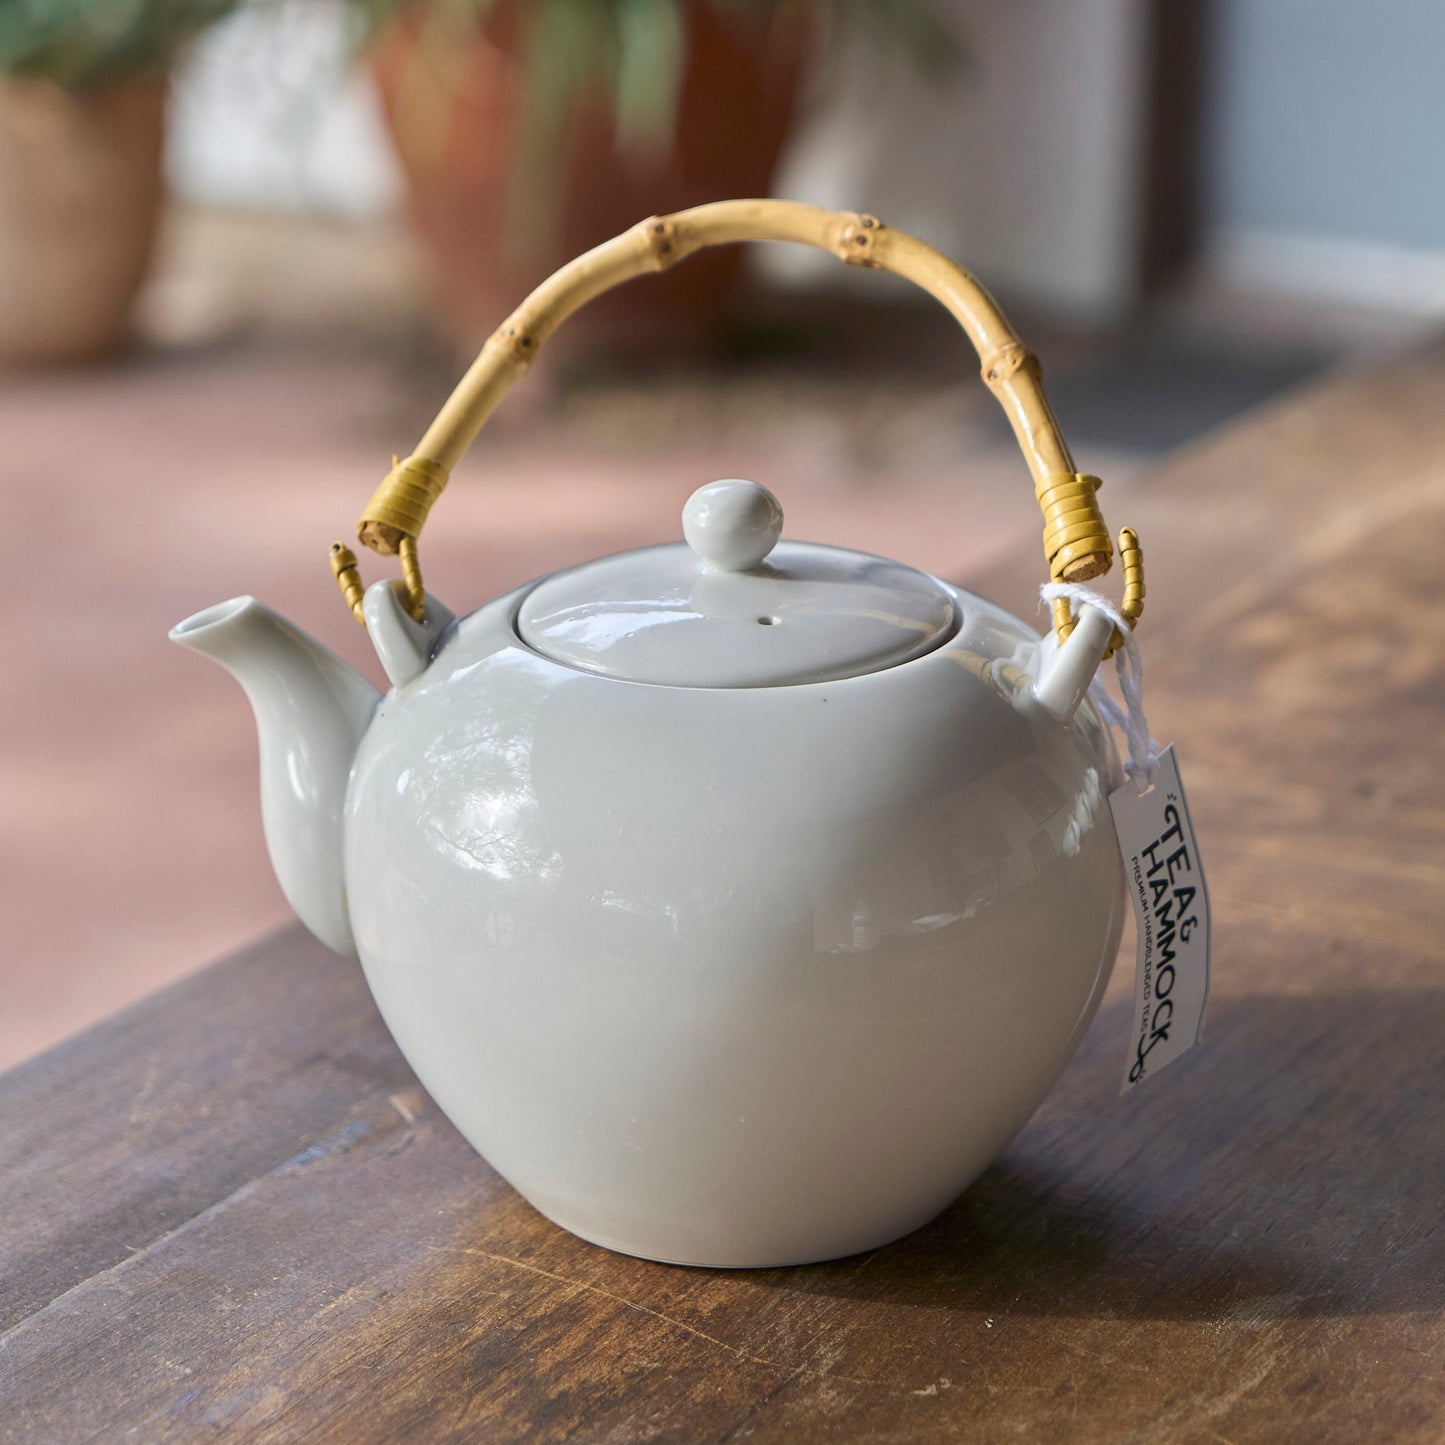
[{"x": 1143, "y": 762}]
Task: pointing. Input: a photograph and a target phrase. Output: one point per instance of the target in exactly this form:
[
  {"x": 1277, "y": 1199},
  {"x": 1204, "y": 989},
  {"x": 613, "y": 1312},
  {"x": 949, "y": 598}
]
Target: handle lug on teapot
[
  {"x": 404, "y": 645},
  {"x": 1064, "y": 676}
]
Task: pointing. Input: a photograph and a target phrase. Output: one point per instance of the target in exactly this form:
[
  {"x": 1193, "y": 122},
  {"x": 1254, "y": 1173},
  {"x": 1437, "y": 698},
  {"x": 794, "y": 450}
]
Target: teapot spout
[{"x": 311, "y": 710}]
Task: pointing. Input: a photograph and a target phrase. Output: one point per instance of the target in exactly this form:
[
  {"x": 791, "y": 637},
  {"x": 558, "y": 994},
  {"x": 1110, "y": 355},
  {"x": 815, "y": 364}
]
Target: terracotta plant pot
[
  {"x": 456, "y": 135},
  {"x": 80, "y": 193}
]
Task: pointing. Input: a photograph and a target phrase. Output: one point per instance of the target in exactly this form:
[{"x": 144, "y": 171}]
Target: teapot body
[
  {"x": 726, "y": 946},
  {"x": 734, "y": 976}
]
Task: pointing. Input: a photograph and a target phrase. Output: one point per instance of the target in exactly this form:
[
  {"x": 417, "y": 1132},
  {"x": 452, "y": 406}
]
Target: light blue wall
[{"x": 1328, "y": 116}]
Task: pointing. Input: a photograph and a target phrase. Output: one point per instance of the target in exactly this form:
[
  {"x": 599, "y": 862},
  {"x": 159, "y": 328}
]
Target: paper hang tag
[{"x": 1171, "y": 910}]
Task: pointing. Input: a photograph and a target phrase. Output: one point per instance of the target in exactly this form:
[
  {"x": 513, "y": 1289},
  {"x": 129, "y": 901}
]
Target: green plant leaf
[
  {"x": 651, "y": 58},
  {"x": 87, "y": 43}
]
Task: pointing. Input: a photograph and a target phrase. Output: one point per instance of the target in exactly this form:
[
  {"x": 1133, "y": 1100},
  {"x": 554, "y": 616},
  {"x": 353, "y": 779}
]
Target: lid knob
[{"x": 732, "y": 525}]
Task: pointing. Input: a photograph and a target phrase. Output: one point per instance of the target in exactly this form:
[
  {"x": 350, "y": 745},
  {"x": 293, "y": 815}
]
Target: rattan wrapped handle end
[{"x": 399, "y": 506}]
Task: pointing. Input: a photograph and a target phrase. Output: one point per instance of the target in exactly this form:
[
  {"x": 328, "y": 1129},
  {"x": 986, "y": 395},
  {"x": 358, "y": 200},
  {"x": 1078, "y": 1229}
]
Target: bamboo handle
[{"x": 1076, "y": 541}]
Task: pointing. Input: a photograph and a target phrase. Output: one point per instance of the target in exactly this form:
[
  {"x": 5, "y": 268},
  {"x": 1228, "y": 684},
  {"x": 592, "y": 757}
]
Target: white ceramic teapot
[{"x": 737, "y": 898}]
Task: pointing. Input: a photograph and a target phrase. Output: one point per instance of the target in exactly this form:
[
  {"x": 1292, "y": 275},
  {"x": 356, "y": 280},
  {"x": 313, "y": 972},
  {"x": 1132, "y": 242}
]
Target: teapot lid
[{"x": 734, "y": 607}]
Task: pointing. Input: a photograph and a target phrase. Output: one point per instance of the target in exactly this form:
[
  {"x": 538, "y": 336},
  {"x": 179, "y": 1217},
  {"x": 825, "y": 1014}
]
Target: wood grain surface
[{"x": 231, "y": 1212}]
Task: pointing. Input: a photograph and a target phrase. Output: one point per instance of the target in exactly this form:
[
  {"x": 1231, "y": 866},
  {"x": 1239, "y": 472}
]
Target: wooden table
[{"x": 232, "y": 1212}]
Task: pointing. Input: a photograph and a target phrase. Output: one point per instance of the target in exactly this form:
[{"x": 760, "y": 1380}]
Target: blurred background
[{"x": 246, "y": 249}]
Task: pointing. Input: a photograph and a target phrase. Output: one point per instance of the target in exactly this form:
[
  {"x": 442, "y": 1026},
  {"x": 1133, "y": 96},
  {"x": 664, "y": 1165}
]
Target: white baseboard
[{"x": 1406, "y": 280}]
